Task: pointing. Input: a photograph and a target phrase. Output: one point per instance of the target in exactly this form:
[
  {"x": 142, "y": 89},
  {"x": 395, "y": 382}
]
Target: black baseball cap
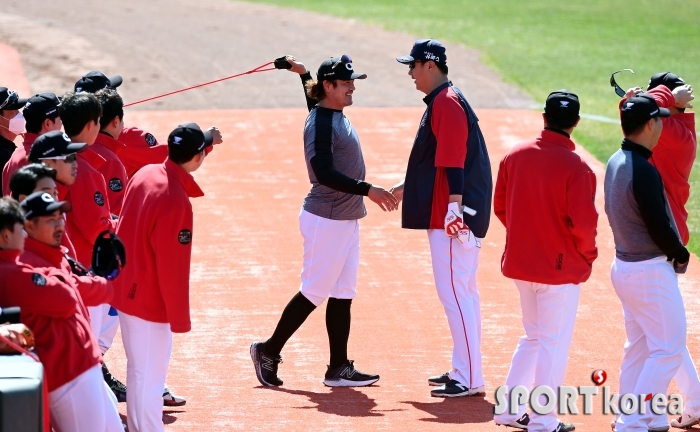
[
  {"x": 41, "y": 106},
  {"x": 424, "y": 50},
  {"x": 54, "y": 144},
  {"x": 190, "y": 139},
  {"x": 96, "y": 80},
  {"x": 338, "y": 68},
  {"x": 640, "y": 108},
  {"x": 668, "y": 79},
  {"x": 562, "y": 106},
  {"x": 43, "y": 204},
  {"x": 10, "y": 100}
]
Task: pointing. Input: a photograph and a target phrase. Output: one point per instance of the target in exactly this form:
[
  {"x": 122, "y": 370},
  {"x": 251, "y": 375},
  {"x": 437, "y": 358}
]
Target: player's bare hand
[
  {"x": 683, "y": 95},
  {"x": 297, "y": 66},
  {"x": 383, "y": 198},
  {"x": 397, "y": 191},
  {"x": 19, "y": 334},
  {"x": 216, "y": 134},
  {"x": 631, "y": 92}
]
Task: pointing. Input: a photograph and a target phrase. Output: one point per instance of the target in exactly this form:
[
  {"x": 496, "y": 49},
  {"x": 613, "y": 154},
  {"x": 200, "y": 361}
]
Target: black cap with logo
[
  {"x": 640, "y": 108},
  {"x": 54, "y": 144},
  {"x": 43, "y": 204},
  {"x": 41, "y": 106},
  {"x": 562, "y": 106},
  {"x": 424, "y": 50},
  {"x": 10, "y": 100},
  {"x": 96, "y": 80},
  {"x": 668, "y": 79},
  {"x": 338, "y": 68},
  {"x": 189, "y": 139}
]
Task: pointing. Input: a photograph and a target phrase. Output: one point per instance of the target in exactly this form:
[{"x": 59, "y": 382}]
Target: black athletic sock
[
  {"x": 338, "y": 326},
  {"x": 298, "y": 309}
]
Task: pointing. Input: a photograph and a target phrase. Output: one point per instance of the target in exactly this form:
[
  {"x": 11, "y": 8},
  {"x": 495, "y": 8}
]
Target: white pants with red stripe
[
  {"x": 656, "y": 334},
  {"x": 148, "y": 346},
  {"x": 85, "y": 404},
  {"x": 454, "y": 269},
  {"x": 540, "y": 358}
]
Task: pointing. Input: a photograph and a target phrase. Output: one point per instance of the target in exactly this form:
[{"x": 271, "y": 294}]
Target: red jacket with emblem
[
  {"x": 91, "y": 212},
  {"x": 17, "y": 161},
  {"x": 112, "y": 170},
  {"x": 140, "y": 149},
  {"x": 156, "y": 228},
  {"x": 55, "y": 313},
  {"x": 545, "y": 198}
]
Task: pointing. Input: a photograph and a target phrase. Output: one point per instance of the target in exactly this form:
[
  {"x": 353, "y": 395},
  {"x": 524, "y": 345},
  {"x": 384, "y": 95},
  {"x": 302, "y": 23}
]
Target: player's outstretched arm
[{"x": 299, "y": 68}]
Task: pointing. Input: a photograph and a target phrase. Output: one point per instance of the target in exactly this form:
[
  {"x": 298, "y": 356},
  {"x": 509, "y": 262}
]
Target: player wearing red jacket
[
  {"x": 152, "y": 292},
  {"x": 52, "y": 302},
  {"x": 41, "y": 116},
  {"x": 545, "y": 198}
]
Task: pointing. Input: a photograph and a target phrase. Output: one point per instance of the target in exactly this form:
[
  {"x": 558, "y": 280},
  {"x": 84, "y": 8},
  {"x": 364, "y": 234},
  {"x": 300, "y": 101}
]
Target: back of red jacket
[
  {"x": 140, "y": 149},
  {"x": 545, "y": 198},
  {"x": 156, "y": 228},
  {"x": 112, "y": 170},
  {"x": 17, "y": 161}
]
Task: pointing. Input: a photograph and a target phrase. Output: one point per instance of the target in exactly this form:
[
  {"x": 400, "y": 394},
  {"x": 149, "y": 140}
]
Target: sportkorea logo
[
  {"x": 184, "y": 236},
  {"x": 99, "y": 199},
  {"x": 116, "y": 185}
]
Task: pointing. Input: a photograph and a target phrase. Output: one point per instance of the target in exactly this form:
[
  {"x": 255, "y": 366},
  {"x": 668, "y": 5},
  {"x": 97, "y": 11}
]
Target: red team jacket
[
  {"x": 112, "y": 170},
  {"x": 156, "y": 228},
  {"x": 17, "y": 161},
  {"x": 673, "y": 156},
  {"x": 544, "y": 197},
  {"x": 141, "y": 148},
  {"x": 91, "y": 211},
  {"x": 54, "y": 311}
]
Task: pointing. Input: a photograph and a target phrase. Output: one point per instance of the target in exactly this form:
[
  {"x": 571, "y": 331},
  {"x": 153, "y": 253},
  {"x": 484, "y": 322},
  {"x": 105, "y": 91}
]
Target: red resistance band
[
  {"x": 45, "y": 388},
  {"x": 261, "y": 68}
]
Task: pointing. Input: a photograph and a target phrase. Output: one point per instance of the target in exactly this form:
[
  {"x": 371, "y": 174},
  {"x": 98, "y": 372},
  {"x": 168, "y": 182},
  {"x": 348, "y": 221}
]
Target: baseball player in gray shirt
[{"x": 329, "y": 224}]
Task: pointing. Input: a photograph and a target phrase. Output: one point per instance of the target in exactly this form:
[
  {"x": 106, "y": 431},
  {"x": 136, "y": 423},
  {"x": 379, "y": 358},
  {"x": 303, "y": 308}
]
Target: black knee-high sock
[
  {"x": 298, "y": 309},
  {"x": 338, "y": 326}
]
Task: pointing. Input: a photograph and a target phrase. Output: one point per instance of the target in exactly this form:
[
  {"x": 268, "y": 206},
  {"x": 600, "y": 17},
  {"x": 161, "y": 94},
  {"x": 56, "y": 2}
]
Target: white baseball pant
[
  {"x": 110, "y": 325},
  {"x": 331, "y": 257},
  {"x": 541, "y": 356},
  {"x": 96, "y": 315},
  {"x": 85, "y": 404},
  {"x": 454, "y": 270},
  {"x": 656, "y": 332},
  {"x": 148, "y": 346}
]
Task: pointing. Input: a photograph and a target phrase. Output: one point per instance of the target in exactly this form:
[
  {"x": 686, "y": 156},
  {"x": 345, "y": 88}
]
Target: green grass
[{"x": 543, "y": 45}]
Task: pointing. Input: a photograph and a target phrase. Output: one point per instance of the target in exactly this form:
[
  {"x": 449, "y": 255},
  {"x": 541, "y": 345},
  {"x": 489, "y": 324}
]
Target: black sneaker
[
  {"x": 520, "y": 423},
  {"x": 347, "y": 376},
  {"x": 439, "y": 380},
  {"x": 455, "y": 388},
  {"x": 117, "y": 387},
  {"x": 564, "y": 427},
  {"x": 265, "y": 366}
]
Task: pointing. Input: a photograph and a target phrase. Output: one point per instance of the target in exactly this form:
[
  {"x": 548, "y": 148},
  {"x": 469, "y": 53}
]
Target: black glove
[{"x": 108, "y": 255}]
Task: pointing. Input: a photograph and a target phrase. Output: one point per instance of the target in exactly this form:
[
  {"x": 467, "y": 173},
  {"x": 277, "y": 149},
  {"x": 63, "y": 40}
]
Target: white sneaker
[{"x": 685, "y": 421}]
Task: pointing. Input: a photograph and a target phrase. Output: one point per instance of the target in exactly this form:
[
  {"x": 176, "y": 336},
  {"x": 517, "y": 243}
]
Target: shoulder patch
[
  {"x": 184, "y": 237},
  {"x": 150, "y": 139},
  {"x": 99, "y": 198},
  {"x": 39, "y": 279},
  {"x": 116, "y": 185}
]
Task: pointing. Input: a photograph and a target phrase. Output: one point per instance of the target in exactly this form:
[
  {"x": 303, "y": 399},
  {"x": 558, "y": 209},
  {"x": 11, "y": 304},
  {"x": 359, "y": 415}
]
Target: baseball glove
[
  {"x": 108, "y": 255},
  {"x": 18, "y": 334}
]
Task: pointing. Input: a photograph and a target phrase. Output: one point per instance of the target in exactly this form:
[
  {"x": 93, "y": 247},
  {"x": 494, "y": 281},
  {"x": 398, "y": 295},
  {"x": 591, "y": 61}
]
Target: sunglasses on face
[
  {"x": 67, "y": 159},
  {"x": 343, "y": 59},
  {"x": 412, "y": 65},
  {"x": 618, "y": 90},
  {"x": 12, "y": 97}
]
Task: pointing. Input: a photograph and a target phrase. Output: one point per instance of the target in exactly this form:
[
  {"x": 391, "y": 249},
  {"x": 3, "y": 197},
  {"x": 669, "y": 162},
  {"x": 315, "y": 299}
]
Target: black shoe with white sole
[
  {"x": 520, "y": 423},
  {"x": 564, "y": 427},
  {"x": 455, "y": 388},
  {"x": 439, "y": 380},
  {"x": 347, "y": 376},
  {"x": 265, "y": 365}
]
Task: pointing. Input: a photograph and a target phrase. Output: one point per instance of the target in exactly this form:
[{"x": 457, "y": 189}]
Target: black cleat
[
  {"x": 455, "y": 388},
  {"x": 117, "y": 387},
  {"x": 265, "y": 366},
  {"x": 520, "y": 423},
  {"x": 439, "y": 380},
  {"x": 564, "y": 427},
  {"x": 347, "y": 376}
]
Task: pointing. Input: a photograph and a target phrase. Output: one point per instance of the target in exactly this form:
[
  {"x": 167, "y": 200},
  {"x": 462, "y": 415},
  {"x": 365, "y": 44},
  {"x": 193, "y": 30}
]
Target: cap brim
[
  {"x": 17, "y": 105},
  {"x": 76, "y": 147},
  {"x": 115, "y": 81},
  {"x": 664, "y": 112},
  {"x": 405, "y": 59},
  {"x": 64, "y": 206},
  {"x": 358, "y": 76}
]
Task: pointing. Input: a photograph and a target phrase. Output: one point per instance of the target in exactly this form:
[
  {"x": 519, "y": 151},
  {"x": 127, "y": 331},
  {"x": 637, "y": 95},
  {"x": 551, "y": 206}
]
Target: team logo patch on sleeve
[
  {"x": 99, "y": 199},
  {"x": 150, "y": 139},
  {"x": 184, "y": 237},
  {"x": 115, "y": 185},
  {"x": 38, "y": 279}
]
